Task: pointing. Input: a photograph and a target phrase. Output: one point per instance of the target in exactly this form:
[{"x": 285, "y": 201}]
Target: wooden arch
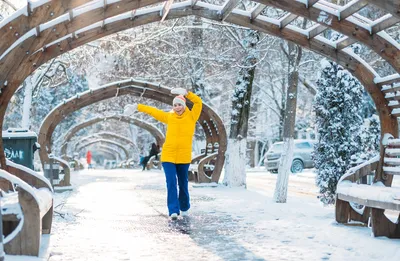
[
  {"x": 105, "y": 151},
  {"x": 111, "y": 142},
  {"x": 29, "y": 41},
  {"x": 106, "y": 135},
  {"x": 211, "y": 123},
  {"x": 154, "y": 131}
]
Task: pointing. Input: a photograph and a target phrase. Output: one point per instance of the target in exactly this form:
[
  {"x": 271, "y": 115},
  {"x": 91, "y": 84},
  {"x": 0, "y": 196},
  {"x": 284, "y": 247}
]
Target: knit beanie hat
[{"x": 179, "y": 100}]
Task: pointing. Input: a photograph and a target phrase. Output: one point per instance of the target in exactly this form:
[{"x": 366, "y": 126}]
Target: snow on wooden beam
[
  {"x": 384, "y": 23},
  {"x": 392, "y": 170},
  {"x": 316, "y": 30},
  {"x": 257, "y": 11},
  {"x": 393, "y": 142},
  {"x": 391, "y": 6},
  {"x": 390, "y": 79},
  {"x": 392, "y": 152},
  {"x": 345, "y": 42},
  {"x": 287, "y": 19},
  {"x": 351, "y": 8},
  {"x": 392, "y": 161},
  {"x": 228, "y": 8},
  {"x": 350, "y": 27},
  {"x": 377, "y": 196}
]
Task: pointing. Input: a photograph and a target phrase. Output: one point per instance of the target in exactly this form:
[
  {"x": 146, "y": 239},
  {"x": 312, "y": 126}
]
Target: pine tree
[{"x": 338, "y": 116}]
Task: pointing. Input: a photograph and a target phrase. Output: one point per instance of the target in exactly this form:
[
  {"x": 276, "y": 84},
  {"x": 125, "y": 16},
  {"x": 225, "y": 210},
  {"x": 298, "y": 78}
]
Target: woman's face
[{"x": 179, "y": 108}]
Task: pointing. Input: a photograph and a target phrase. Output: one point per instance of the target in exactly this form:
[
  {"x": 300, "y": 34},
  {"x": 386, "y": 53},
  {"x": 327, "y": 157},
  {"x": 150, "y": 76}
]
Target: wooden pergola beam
[
  {"x": 311, "y": 3},
  {"x": 257, "y": 11},
  {"x": 119, "y": 145},
  {"x": 351, "y": 8},
  {"x": 24, "y": 66},
  {"x": 105, "y": 147},
  {"x": 107, "y": 152},
  {"x": 228, "y": 8},
  {"x": 165, "y": 9},
  {"x": 155, "y": 132},
  {"x": 384, "y": 24},
  {"x": 287, "y": 19},
  {"x": 390, "y": 6},
  {"x": 316, "y": 30},
  {"x": 344, "y": 42},
  {"x": 379, "y": 44}
]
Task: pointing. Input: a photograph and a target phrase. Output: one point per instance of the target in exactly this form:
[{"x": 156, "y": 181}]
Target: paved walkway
[{"x": 121, "y": 215}]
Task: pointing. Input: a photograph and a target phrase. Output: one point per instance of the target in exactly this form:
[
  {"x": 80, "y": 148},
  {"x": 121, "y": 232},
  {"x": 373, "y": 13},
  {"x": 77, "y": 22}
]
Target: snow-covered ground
[{"x": 121, "y": 215}]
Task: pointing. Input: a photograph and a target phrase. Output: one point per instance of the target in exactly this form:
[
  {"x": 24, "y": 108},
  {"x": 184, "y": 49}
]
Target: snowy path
[{"x": 121, "y": 215}]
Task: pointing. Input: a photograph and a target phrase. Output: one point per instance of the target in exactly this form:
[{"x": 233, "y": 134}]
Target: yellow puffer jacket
[{"x": 177, "y": 147}]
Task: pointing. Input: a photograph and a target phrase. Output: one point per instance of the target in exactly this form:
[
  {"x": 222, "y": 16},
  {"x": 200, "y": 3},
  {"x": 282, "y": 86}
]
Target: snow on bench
[
  {"x": 35, "y": 196},
  {"x": 376, "y": 195},
  {"x": 392, "y": 170}
]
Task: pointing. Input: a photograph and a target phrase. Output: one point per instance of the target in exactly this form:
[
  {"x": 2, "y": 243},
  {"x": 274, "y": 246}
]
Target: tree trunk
[
  {"x": 251, "y": 152},
  {"x": 235, "y": 164},
  {"x": 293, "y": 54},
  {"x": 26, "y": 111}
]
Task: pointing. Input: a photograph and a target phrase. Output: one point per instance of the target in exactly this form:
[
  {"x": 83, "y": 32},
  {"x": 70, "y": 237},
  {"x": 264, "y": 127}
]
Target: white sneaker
[
  {"x": 174, "y": 216},
  {"x": 185, "y": 213}
]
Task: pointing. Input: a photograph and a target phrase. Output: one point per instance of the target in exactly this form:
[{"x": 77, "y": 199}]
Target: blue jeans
[{"x": 174, "y": 173}]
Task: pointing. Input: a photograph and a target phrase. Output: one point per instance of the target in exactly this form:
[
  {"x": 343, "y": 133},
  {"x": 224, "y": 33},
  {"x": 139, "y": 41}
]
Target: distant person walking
[
  {"x": 89, "y": 159},
  {"x": 176, "y": 152},
  {"x": 153, "y": 152}
]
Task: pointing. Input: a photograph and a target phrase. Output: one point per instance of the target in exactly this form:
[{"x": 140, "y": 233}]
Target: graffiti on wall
[{"x": 14, "y": 154}]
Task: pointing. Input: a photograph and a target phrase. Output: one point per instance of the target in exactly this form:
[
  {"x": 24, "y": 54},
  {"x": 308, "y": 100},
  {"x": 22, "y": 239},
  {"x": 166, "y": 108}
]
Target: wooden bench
[
  {"x": 199, "y": 167},
  {"x": 35, "y": 197},
  {"x": 11, "y": 211},
  {"x": 78, "y": 165},
  {"x": 65, "y": 176},
  {"x": 367, "y": 203}
]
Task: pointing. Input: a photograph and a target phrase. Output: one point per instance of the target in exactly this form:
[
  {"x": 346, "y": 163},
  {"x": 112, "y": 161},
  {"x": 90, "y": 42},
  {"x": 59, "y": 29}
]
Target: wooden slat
[
  {"x": 379, "y": 44},
  {"x": 311, "y": 3},
  {"x": 392, "y": 161},
  {"x": 165, "y": 9},
  {"x": 384, "y": 24},
  {"x": 391, "y": 170},
  {"x": 370, "y": 202},
  {"x": 345, "y": 42},
  {"x": 388, "y": 82},
  {"x": 257, "y": 11},
  {"x": 287, "y": 19},
  {"x": 228, "y": 7},
  {"x": 392, "y": 152},
  {"x": 354, "y": 7},
  {"x": 391, "y": 6},
  {"x": 43, "y": 13},
  {"x": 316, "y": 30}
]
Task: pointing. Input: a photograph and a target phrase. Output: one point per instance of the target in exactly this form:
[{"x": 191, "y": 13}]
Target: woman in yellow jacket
[{"x": 176, "y": 153}]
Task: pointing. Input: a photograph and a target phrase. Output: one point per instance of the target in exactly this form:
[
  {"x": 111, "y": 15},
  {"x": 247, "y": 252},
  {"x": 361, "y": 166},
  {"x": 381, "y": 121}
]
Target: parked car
[{"x": 301, "y": 156}]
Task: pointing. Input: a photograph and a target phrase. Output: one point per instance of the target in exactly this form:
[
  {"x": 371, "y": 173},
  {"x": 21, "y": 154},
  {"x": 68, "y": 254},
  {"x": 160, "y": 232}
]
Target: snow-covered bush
[{"x": 338, "y": 117}]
